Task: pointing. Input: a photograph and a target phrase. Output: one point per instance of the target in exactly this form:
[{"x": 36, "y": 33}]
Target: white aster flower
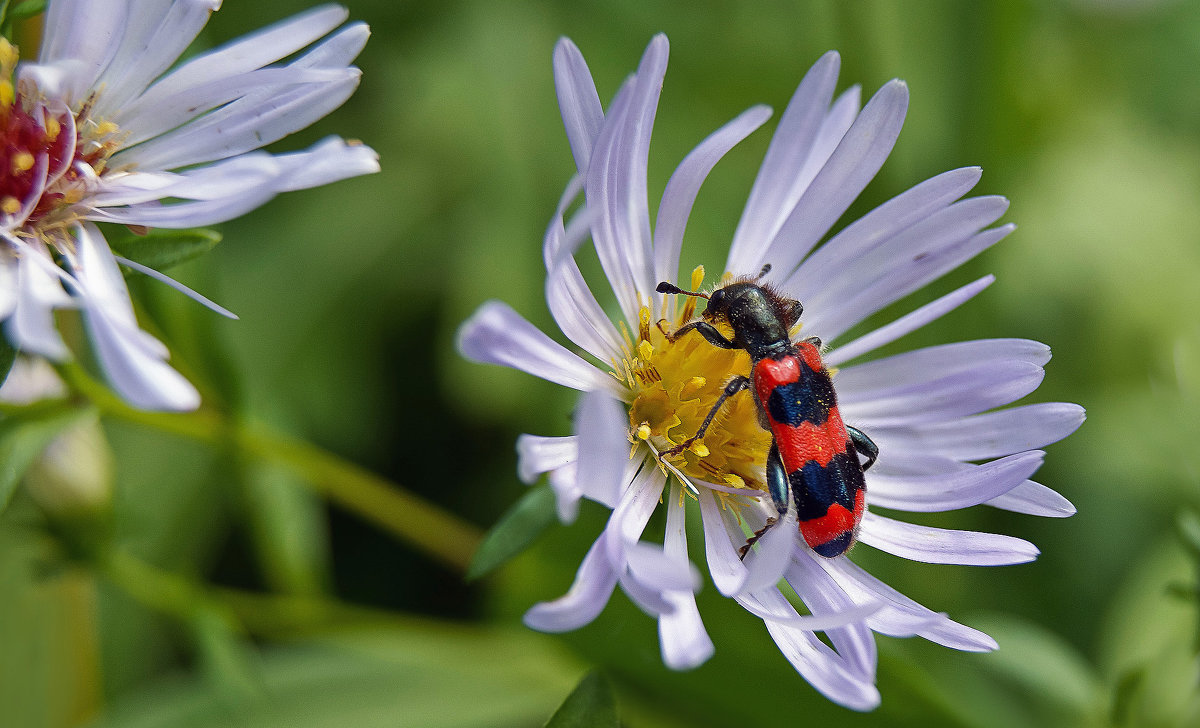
[
  {"x": 932, "y": 412},
  {"x": 105, "y": 127}
]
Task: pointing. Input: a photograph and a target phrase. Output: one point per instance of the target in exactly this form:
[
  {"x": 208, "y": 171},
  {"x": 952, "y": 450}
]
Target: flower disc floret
[{"x": 675, "y": 383}]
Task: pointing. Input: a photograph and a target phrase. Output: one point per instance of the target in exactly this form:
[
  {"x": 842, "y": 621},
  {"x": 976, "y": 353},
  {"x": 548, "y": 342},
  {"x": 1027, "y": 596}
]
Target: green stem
[
  {"x": 263, "y": 614},
  {"x": 425, "y": 526}
]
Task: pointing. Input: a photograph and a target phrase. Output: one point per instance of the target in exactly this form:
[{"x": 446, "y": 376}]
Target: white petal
[
  {"x": 939, "y": 382},
  {"x": 330, "y": 160},
  {"x": 857, "y": 158},
  {"x": 684, "y": 641},
  {"x": 824, "y": 596},
  {"x": 987, "y": 435},
  {"x": 628, "y": 519},
  {"x": 865, "y": 381},
  {"x": 769, "y": 605},
  {"x": 645, "y": 597},
  {"x": 973, "y": 485},
  {"x": 823, "y": 668},
  {"x": 680, "y": 194},
  {"x": 953, "y": 395},
  {"x": 1034, "y": 499},
  {"x": 496, "y": 334},
  {"x": 682, "y": 637},
  {"x": 568, "y": 296},
  {"x": 778, "y": 185},
  {"x": 878, "y": 226},
  {"x": 31, "y": 325},
  {"x": 8, "y": 284},
  {"x": 243, "y": 125},
  {"x": 566, "y": 492},
  {"x": 943, "y": 546},
  {"x": 250, "y": 51},
  {"x": 87, "y": 32},
  {"x": 921, "y": 254},
  {"x": 161, "y": 113},
  {"x": 141, "y": 378},
  {"x": 770, "y": 557},
  {"x": 906, "y": 324},
  {"x": 727, "y": 570},
  {"x": 132, "y": 359},
  {"x": 577, "y": 99},
  {"x": 901, "y": 616},
  {"x": 616, "y": 183},
  {"x": 152, "y": 40},
  {"x": 651, "y": 566},
  {"x": 602, "y": 425},
  {"x": 537, "y": 455},
  {"x": 590, "y": 592}
]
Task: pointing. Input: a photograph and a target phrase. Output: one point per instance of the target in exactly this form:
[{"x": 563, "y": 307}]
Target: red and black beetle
[{"x": 813, "y": 453}]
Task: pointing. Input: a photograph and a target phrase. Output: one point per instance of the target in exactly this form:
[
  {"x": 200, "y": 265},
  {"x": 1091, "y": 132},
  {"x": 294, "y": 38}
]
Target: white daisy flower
[
  {"x": 942, "y": 444},
  {"x": 105, "y": 127}
]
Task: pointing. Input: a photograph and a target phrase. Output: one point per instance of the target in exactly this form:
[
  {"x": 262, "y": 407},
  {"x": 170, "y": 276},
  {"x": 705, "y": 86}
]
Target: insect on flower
[{"x": 812, "y": 453}]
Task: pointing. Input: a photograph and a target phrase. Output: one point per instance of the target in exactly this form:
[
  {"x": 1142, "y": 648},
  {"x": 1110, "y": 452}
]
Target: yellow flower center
[{"x": 674, "y": 386}]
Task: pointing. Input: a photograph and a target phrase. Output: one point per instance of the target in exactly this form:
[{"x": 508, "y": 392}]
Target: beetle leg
[
  {"x": 709, "y": 332},
  {"x": 754, "y": 539},
  {"x": 734, "y": 386},
  {"x": 865, "y": 446}
]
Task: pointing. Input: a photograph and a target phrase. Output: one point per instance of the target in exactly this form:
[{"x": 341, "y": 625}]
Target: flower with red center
[{"x": 105, "y": 127}]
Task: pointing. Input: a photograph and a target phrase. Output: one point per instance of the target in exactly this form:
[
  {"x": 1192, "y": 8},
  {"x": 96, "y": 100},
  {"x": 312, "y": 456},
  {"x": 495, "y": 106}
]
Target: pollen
[
  {"x": 22, "y": 162},
  {"x": 673, "y": 386},
  {"x": 49, "y": 155}
]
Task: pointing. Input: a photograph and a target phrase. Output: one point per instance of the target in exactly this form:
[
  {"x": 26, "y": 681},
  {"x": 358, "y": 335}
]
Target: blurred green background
[{"x": 1085, "y": 114}]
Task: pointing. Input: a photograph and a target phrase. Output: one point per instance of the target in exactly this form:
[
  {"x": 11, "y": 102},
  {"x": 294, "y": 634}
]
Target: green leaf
[
  {"x": 26, "y": 9},
  {"x": 407, "y": 673},
  {"x": 516, "y": 529},
  {"x": 227, "y": 660},
  {"x": 590, "y": 705},
  {"x": 24, "y": 435},
  {"x": 8, "y": 355},
  {"x": 289, "y": 530},
  {"x": 162, "y": 249}
]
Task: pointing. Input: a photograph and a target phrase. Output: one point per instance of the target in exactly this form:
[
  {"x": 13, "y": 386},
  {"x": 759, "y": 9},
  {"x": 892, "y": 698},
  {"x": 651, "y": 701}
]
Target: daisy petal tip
[{"x": 830, "y": 58}]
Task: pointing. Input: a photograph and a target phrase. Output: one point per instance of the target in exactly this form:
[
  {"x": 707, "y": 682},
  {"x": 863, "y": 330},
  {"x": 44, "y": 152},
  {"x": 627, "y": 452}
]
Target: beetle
[{"x": 813, "y": 455}]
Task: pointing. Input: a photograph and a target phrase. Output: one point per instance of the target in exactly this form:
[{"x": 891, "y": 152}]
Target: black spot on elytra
[{"x": 807, "y": 400}]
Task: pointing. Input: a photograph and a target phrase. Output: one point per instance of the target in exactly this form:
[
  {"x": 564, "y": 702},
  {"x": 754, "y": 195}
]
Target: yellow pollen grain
[
  {"x": 52, "y": 128},
  {"x": 22, "y": 162},
  {"x": 699, "y": 448},
  {"x": 644, "y": 323},
  {"x": 645, "y": 351},
  {"x": 735, "y": 480},
  {"x": 10, "y": 205},
  {"x": 105, "y": 128},
  {"x": 697, "y": 277},
  {"x": 643, "y": 431}
]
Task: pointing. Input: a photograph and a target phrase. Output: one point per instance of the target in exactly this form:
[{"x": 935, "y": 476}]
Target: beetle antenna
[
  {"x": 765, "y": 270},
  {"x": 665, "y": 287}
]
